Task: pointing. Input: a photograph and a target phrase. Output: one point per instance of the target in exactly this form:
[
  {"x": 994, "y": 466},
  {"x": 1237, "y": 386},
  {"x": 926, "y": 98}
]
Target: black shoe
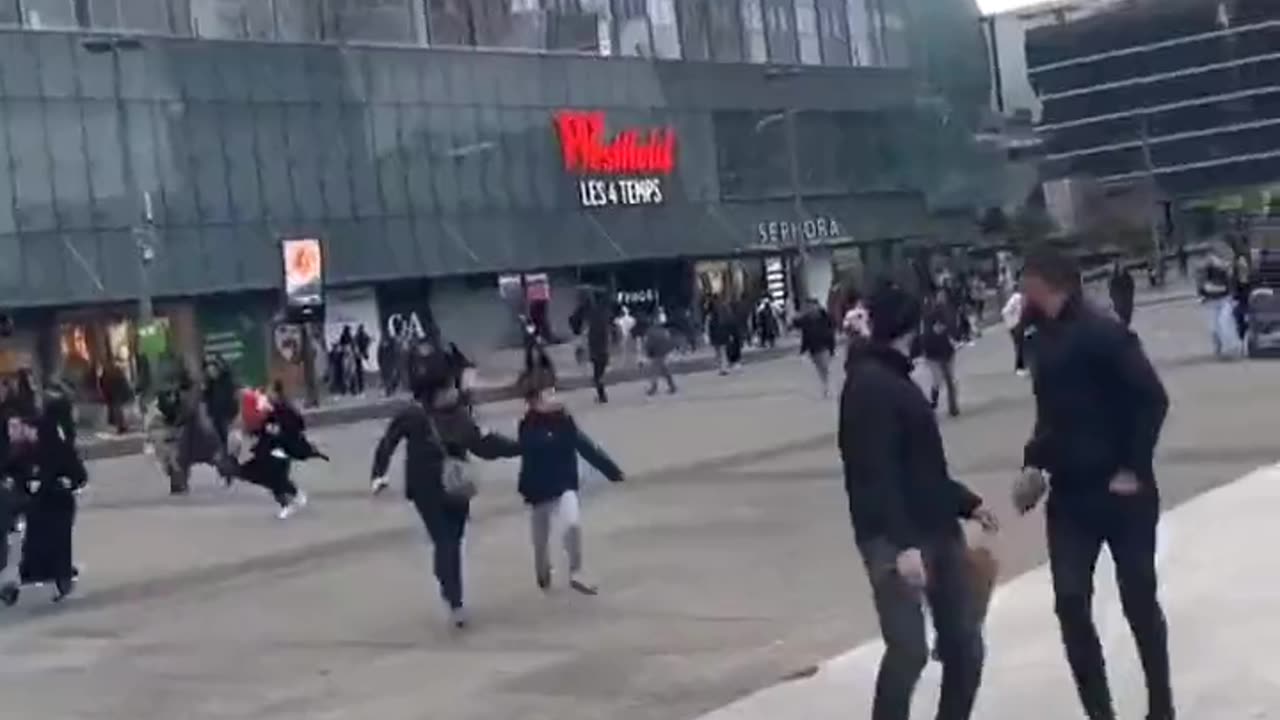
[
  {"x": 62, "y": 587},
  {"x": 544, "y": 582},
  {"x": 9, "y": 594},
  {"x": 954, "y": 412}
]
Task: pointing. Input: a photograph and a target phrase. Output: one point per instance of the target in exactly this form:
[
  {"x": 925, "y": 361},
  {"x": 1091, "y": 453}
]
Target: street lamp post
[
  {"x": 142, "y": 217},
  {"x": 802, "y": 241},
  {"x": 1157, "y": 240}
]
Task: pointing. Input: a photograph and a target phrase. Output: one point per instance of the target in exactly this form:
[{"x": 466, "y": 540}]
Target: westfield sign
[
  {"x": 630, "y": 152},
  {"x": 623, "y": 170}
]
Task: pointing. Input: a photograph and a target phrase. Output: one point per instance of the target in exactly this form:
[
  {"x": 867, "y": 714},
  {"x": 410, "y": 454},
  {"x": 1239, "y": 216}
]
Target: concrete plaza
[{"x": 726, "y": 564}]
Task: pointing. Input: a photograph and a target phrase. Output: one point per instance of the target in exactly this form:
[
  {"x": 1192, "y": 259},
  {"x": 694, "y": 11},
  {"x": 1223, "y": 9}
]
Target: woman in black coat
[{"x": 45, "y": 467}]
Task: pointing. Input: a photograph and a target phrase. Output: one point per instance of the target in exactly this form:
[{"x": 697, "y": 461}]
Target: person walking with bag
[
  {"x": 440, "y": 437},
  {"x": 550, "y": 444},
  {"x": 906, "y": 509},
  {"x": 1099, "y": 410},
  {"x": 658, "y": 345}
]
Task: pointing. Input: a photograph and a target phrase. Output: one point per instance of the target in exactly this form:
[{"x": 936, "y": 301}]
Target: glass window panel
[
  {"x": 9, "y": 15},
  {"x": 896, "y": 48},
  {"x": 754, "y": 32},
  {"x": 466, "y": 154},
  {"x": 47, "y": 14},
  {"x": 634, "y": 34},
  {"x": 807, "y": 32},
  {"x": 570, "y": 27},
  {"x": 414, "y": 133},
  {"x": 203, "y": 140},
  {"x": 238, "y": 131},
  {"x": 516, "y": 150},
  {"x": 452, "y": 22},
  {"x": 32, "y": 173},
  {"x": 277, "y": 185},
  {"x": 55, "y": 64},
  {"x": 332, "y": 158},
  {"x": 70, "y": 176},
  {"x": 232, "y": 19},
  {"x": 298, "y": 20},
  {"x": 304, "y": 161},
  {"x": 364, "y": 169},
  {"x": 726, "y": 30},
  {"x": 444, "y": 176},
  {"x": 373, "y": 20},
  {"x": 693, "y": 29},
  {"x": 834, "y": 26},
  {"x": 861, "y": 32},
  {"x": 666, "y": 29},
  {"x": 494, "y": 167},
  {"x": 386, "y": 139},
  {"x": 544, "y": 159},
  {"x": 179, "y": 195},
  {"x": 779, "y": 22},
  {"x": 8, "y": 223},
  {"x": 145, "y": 15}
]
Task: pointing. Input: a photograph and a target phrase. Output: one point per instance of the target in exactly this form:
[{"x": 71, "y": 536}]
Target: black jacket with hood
[
  {"x": 1099, "y": 403},
  {"x": 895, "y": 469},
  {"x": 431, "y": 435}
]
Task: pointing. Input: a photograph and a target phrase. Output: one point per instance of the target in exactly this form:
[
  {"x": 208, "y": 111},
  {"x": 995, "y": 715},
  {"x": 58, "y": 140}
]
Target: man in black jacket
[
  {"x": 1099, "y": 411},
  {"x": 1121, "y": 289},
  {"x": 905, "y": 509}
]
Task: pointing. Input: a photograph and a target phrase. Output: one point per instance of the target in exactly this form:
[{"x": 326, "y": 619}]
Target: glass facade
[
  {"x": 811, "y": 32},
  {"x": 412, "y": 162}
]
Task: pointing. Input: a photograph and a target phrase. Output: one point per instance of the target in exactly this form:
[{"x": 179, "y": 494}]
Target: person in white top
[
  {"x": 1012, "y": 315},
  {"x": 626, "y": 324},
  {"x": 857, "y": 322}
]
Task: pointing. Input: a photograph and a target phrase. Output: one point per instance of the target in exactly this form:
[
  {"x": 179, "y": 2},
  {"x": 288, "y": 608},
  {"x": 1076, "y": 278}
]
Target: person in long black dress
[
  {"x": 277, "y": 444},
  {"x": 44, "y": 462}
]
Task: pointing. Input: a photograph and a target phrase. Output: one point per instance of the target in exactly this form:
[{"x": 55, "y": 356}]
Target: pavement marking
[{"x": 831, "y": 689}]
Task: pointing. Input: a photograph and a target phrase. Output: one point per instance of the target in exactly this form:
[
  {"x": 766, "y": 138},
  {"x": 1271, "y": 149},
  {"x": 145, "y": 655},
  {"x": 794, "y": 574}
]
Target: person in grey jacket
[{"x": 438, "y": 428}]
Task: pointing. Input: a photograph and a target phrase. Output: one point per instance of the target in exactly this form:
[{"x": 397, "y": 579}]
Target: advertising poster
[
  {"x": 353, "y": 309},
  {"x": 240, "y": 341},
  {"x": 303, "y": 277}
]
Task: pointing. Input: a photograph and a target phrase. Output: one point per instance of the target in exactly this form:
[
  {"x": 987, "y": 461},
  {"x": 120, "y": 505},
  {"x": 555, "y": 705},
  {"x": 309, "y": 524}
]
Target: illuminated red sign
[{"x": 587, "y": 150}]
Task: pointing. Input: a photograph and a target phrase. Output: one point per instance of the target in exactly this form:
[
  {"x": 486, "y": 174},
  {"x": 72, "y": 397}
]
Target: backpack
[{"x": 254, "y": 409}]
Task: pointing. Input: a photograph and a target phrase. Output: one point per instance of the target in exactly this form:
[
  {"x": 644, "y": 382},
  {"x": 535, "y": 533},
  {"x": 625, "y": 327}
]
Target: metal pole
[
  {"x": 1157, "y": 239},
  {"x": 140, "y": 222},
  {"x": 802, "y": 243}
]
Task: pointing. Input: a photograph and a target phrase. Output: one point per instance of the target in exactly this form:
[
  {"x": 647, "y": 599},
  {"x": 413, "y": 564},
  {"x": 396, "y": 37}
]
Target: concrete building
[{"x": 458, "y": 162}]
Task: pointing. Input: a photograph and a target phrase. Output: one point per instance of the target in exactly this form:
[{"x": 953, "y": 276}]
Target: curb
[{"x": 380, "y": 409}]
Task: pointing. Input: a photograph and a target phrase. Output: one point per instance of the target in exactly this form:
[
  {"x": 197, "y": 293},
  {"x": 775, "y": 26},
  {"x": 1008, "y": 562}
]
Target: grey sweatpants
[{"x": 565, "y": 509}]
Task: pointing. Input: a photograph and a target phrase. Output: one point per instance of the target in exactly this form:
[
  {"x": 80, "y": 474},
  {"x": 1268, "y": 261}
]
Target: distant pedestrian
[
  {"x": 766, "y": 323},
  {"x": 938, "y": 344},
  {"x": 363, "y": 343},
  {"x": 658, "y": 345},
  {"x": 1214, "y": 288},
  {"x": 817, "y": 341},
  {"x": 625, "y": 325},
  {"x": 1099, "y": 410},
  {"x": 905, "y": 509},
  {"x": 1012, "y": 314},
  {"x": 389, "y": 365},
  {"x": 720, "y": 332},
  {"x": 440, "y": 438},
  {"x": 551, "y": 442},
  {"x": 1122, "y": 291},
  {"x": 1241, "y": 289},
  {"x": 116, "y": 395},
  {"x": 599, "y": 338}
]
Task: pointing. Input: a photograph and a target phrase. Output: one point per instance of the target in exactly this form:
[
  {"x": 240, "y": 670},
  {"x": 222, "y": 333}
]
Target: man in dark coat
[
  {"x": 1122, "y": 291},
  {"x": 1099, "y": 410},
  {"x": 937, "y": 341},
  {"x": 818, "y": 341},
  {"x": 905, "y": 508},
  {"x": 599, "y": 338}
]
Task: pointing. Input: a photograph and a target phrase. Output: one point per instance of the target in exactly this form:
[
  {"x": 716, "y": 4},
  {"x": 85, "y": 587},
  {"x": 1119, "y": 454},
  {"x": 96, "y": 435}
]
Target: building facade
[
  {"x": 459, "y": 161},
  {"x": 1181, "y": 93}
]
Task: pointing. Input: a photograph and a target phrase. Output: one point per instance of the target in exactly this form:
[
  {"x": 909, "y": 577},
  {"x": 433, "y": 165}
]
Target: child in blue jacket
[{"x": 550, "y": 444}]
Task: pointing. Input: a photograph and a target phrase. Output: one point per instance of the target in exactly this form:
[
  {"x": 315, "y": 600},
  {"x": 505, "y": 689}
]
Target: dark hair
[
  {"x": 431, "y": 374},
  {"x": 1057, "y": 268},
  {"x": 894, "y": 312},
  {"x": 539, "y": 373}
]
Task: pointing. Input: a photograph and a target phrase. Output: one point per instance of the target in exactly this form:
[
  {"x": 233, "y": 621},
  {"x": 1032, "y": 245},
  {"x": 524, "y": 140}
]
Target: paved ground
[{"x": 727, "y": 563}]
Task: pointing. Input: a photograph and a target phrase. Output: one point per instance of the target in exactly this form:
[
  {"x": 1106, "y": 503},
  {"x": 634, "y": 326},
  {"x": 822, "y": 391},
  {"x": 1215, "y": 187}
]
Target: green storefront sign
[{"x": 239, "y": 340}]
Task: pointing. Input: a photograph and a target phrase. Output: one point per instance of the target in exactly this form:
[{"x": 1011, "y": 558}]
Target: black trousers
[
  {"x": 1124, "y": 309},
  {"x": 1019, "y": 348},
  {"x": 598, "y": 367},
  {"x": 957, "y": 619},
  {"x": 272, "y": 474},
  {"x": 1077, "y": 531},
  {"x": 446, "y": 523}
]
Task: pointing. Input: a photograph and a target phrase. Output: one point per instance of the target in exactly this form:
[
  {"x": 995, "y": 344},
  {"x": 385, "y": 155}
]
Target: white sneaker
[
  {"x": 288, "y": 511},
  {"x": 379, "y": 485}
]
